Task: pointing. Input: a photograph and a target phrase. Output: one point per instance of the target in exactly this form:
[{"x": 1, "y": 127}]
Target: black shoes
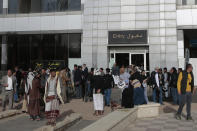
[
  {"x": 178, "y": 117},
  {"x": 189, "y": 118}
]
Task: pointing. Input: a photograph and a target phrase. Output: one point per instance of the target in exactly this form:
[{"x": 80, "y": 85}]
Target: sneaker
[
  {"x": 178, "y": 117},
  {"x": 189, "y": 118}
]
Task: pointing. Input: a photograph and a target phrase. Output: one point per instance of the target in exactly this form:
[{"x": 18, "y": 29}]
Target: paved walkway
[
  {"x": 22, "y": 122},
  {"x": 165, "y": 122}
]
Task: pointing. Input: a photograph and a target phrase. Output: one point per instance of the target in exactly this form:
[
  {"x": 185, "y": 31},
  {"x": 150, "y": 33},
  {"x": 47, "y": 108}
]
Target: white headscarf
[
  {"x": 97, "y": 72},
  {"x": 30, "y": 78}
]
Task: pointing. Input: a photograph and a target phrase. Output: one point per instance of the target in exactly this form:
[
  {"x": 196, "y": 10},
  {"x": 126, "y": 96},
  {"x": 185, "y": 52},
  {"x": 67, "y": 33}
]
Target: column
[
  {"x": 5, "y": 6},
  {"x": 4, "y": 56},
  {"x": 181, "y": 59},
  {"x": 4, "y": 41}
]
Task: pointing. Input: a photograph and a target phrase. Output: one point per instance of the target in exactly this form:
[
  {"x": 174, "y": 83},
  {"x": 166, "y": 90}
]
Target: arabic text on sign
[{"x": 129, "y": 36}]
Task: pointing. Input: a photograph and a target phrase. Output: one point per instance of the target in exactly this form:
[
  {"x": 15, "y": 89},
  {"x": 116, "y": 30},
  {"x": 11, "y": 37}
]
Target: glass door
[
  {"x": 122, "y": 59},
  {"x": 138, "y": 60}
]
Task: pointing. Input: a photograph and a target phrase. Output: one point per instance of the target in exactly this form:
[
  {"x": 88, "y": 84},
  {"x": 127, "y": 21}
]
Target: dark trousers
[
  {"x": 185, "y": 99},
  {"x": 78, "y": 91},
  {"x": 107, "y": 93},
  {"x": 174, "y": 95},
  {"x": 83, "y": 86},
  {"x": 127, "y": 98},
  {"x": 155, "y": 95}
]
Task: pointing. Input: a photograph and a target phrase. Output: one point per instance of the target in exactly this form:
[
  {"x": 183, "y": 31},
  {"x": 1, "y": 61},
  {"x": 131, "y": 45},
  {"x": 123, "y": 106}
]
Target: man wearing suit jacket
[{"x": 9, "y": 88}]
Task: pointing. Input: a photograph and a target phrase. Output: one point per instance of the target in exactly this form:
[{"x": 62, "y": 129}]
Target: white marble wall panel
[
  {"x": 158, "y": 17},
  {"x": 40, "y": 23}
]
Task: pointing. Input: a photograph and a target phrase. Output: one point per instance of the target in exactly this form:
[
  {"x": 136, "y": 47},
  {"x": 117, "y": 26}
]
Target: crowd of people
[{"x": 44, "y": 89}]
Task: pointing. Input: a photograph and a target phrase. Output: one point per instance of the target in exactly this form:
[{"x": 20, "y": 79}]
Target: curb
[
  {"x": 9, "y": 113},
  {"x": 116, "y": 121},
  {"x": 61, "y": 126},
  {"x": 121, "y": 118}
]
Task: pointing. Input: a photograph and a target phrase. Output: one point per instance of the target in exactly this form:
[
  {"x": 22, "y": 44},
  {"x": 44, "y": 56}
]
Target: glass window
[
  {"x": 36, "y": 52},
  {"x": 195, "y": 2},
  {"x": 48, "y": 41},
  {"x": 61, "y": 46},
  {"x": 184, "y": 2},
  {"x": 48, "y": 5},
  {"x": 62, "y": 5},
  {"x": 35, "y": 6},
  {"x": 12, "y": 51},
  {"x": 74, "y": 4},
  {"x": 26, "y": 50},
  {"x": 190, "y": 42},
  {"x": 24, "y": 6},
  {"x": 0, "y": 48},
  {"x": 18, "y": 51},
  {"x": 13, "y": 6},
  {"x": 1, "y": 6},
  {"x": 23, "y": 50},
  {"x": 74, "y": 45}
]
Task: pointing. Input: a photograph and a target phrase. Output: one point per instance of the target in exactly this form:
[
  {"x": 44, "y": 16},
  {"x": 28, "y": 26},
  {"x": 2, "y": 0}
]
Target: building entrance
[
  {"x": 126, "y": 59},
  {"x": 122, "y": 59},
  {"x": 137, "y": 59},
  {"x": 134, "y": 56}
]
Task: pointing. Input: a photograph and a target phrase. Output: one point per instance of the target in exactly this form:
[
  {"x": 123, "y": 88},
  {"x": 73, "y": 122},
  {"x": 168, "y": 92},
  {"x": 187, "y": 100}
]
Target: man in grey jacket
[{"x": 8, "y": 90}]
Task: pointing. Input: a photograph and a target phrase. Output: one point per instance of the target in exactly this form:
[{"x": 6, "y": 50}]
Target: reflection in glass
[
  {"x": 24, "y": 6},
  {"x": 62, "y": 5},
  {"x": 184, "y": 2},
  {"x": 38, "y": 6},
  {"x": 48, "y": 5},
  {"x": 74, "y": 4},
  {"x": 12, "y": 6},
  {"x": 74, "y": 45},
  {"x": 61, "y": 48},
  {"x": 35, "y": 6},
  {"x": 0, "y": 48},
  {"x": 1, "y": 6},
  {"x": 23, "y": 50}
]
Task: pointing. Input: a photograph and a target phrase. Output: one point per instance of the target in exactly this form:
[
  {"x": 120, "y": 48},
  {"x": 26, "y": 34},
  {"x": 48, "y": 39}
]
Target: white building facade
[{"x": 148, "y": 33}]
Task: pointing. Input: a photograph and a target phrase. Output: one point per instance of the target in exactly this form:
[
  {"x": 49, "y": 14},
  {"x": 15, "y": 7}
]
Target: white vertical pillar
[
  {"x": 180, "y": 35},
  {"x": 5, "y": 6},
  {"x": 4, "y": 41},
  {"x": 4, "y": 57}
]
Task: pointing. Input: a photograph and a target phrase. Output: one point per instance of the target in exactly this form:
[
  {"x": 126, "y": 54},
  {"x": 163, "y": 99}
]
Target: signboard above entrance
[{"x": 128, "y": 37}]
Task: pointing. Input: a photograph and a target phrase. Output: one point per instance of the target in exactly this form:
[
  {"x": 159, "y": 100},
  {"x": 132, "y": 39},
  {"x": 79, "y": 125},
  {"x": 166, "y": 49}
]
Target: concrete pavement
[
  {"x": 22, "y": 122},
  {"x": 165, "y": 122}
]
